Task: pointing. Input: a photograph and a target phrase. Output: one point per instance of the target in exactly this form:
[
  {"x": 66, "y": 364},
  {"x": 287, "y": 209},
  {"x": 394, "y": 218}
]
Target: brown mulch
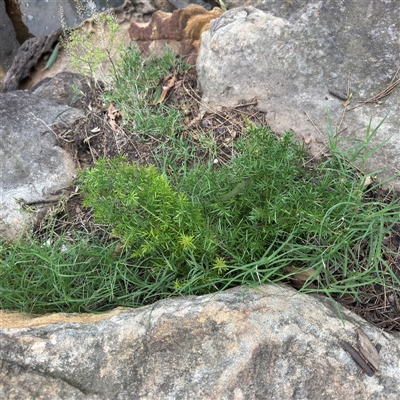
[{"x": 93, "y": 137}]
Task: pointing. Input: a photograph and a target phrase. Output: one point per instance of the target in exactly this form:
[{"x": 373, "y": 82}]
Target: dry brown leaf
[
  {"x": 368, "y": 350},
  {"x": 299, "y": 277},
  {"x": 118, "y": 249},
  {"x": 169, "y": 82},
  {"x": 178, "y": 84},
  {"x": 113, "y": 114},
  {"x": 194, "y": 137},
  {"x": 185, "y": 108}
]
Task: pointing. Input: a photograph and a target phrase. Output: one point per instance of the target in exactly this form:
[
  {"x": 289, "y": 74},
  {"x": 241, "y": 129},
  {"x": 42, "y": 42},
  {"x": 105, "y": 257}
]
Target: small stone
[{"x": 204, "y": 123}]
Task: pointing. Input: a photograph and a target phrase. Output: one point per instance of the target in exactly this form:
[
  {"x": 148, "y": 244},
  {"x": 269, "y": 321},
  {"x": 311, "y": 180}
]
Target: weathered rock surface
[
  {"x": 9, "y": 43},
  {"x": 289, "y": 57},
  {"x": 65, "y": 88},
  {"x": 184, "y": 3},
  {"x": 283, "y": 9},
  {"x": 181, "y": 31},
  {"x": 27, "y": 57},
  {"x": 268, "y": 343},
  {"x": 32, "y": 165},
  {"x": 245, "y": 3}
]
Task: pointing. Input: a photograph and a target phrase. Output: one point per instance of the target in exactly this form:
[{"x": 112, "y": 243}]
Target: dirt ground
[{"x": 93, "y": 137}]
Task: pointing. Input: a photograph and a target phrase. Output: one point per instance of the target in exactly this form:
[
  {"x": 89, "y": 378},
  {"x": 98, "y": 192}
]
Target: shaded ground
[
  {"x": 93, "y": 137},
  {"x": 381, "y": 305}
]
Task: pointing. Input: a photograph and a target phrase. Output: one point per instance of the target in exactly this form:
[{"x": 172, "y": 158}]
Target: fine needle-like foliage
[
  {"x": 94, "y": 44},
  {"x": 134, "y": 87},
  {"x": 187, "y": 226},
  {"x": 153, "y": 220}
]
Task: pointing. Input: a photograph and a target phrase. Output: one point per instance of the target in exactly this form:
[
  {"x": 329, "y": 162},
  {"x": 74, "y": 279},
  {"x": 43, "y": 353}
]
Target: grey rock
[
  {"x": 282, "y": 8},
  {"x": 205, "y": 122},
  {"x": 32, "y": 165},
  {"x": 239, "y": 3},
  {"x": 185, "y": 3},
  {"x": 65, "y": 88},
  {"x": 9, "y": 43},
  {"x": 290, "y": 57},
  {"x": 269, "y": 343}
]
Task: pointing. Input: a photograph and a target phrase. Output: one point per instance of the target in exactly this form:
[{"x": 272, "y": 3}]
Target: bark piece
[
  {"x": 367, "y": 349},
  {"x": 27, "y": 57}
]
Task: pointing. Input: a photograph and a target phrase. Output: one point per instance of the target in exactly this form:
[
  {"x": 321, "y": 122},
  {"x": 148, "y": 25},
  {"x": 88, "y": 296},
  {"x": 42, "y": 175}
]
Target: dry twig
[{"x": 385, "y": 92}]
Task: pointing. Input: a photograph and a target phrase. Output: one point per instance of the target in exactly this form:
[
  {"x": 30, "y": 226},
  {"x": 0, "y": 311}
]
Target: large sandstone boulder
[
  {"x": 269, "y": 343},
  {"x": 33, "y": 167},
  {"x": 295, "y": 59},
  {"x": 9, "y": 43}
]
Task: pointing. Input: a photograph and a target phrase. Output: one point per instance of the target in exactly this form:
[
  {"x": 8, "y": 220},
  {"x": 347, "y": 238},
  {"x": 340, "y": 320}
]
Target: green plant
[
  {"x": 76, "y": 275},
  {"x": 357, "y": 151},
  {"x": 270, "y": 212},
  {"x": 222, "y": 5},
  {"x": 94, "y": 42},
  {"x": 189, "y": 226},
  {"x": 57, "y": 275},
  {"x": 135, "y": 83},
  {"x": 153, "y": 220},
  {"x": 240, "y": 224}
]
